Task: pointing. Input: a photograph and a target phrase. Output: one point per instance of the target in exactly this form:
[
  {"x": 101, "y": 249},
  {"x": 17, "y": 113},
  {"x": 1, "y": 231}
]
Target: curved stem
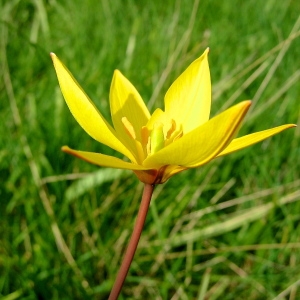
[{"x": 135, "y": 237}]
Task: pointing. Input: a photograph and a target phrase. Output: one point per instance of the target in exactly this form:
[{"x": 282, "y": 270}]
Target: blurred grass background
[{"x": 228, "y": 230}]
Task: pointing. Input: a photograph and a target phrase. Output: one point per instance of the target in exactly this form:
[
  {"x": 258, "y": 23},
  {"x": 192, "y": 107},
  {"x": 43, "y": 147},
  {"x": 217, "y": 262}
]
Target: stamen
[
  {"x": 179, "y": 134},
  {"x": 129, "y": 128},
  {"x": 172, "y": 129},
  {"x": 148, "y": 147},
  {"x": 145, "y": 135},
  {"x": 140, "y": 151}
]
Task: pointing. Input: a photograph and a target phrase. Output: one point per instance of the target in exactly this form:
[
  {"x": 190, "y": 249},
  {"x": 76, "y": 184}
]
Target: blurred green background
[{"x": 228, "y": 230}]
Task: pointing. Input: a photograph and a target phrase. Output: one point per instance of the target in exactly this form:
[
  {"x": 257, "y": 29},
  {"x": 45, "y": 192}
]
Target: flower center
[{"x": 153, "y": 138}]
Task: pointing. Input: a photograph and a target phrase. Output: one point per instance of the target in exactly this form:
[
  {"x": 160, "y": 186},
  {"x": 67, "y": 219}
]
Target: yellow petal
[
  {"x": 161, "y": 117},
  {"x": 203, "y": 143},
  {"x": 171, "y": 171},
  {"x": 125, "y": 101},
  {"x": 103, "y": 160},
  {"x": 85, "y": 112},
  {"x": 253, "y": 138},
  {"x": 188, "y": 100},
  {"x": 158, "y": 116}
]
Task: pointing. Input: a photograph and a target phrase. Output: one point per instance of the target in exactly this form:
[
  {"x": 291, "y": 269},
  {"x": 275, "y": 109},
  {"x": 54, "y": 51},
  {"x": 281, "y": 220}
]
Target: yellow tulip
[{"x": 167, "y": 142}]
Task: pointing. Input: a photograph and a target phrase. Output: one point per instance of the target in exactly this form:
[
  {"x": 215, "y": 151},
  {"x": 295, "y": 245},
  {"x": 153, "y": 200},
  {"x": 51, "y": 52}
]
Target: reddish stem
[{"x": 135, "y": 237}]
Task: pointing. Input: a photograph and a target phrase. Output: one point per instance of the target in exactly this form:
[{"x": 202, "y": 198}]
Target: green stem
[{"x": 135, "y": 237}]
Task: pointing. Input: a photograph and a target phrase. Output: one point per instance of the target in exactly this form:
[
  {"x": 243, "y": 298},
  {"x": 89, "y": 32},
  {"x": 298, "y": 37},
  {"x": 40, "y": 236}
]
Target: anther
[{"x": 129, "y": 128}]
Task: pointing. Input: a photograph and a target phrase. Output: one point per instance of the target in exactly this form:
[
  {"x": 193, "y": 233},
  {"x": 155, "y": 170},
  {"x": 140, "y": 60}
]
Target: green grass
[{"x": 228, "y": 230}]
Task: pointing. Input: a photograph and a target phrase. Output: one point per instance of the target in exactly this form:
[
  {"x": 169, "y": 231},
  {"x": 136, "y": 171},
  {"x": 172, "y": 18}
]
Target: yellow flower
[{"x": 166, "y": 142}]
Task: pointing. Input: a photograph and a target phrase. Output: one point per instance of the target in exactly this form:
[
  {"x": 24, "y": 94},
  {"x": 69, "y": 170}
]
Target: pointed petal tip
[
  {"x": 117, "y": 74},
  {"x": 52, "y": 55},
  {"x": 64, "y": 148},
  {"x": 67, "y": 149},
  {"x": 245, "y": 104},
  {"x": 205, "y": 53}
]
